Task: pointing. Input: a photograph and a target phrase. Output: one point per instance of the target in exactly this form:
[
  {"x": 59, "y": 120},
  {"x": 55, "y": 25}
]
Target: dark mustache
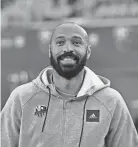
[{"x": 66, "y": 54}]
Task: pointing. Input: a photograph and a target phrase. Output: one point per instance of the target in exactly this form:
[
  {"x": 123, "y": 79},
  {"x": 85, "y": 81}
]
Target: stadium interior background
[{"x": 112, "y": 26}]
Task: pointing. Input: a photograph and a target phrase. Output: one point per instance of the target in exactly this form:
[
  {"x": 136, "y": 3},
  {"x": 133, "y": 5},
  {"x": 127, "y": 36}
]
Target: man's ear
[
  {"x": 49, "y": 51},
  {"x": 89, "y": 51}
]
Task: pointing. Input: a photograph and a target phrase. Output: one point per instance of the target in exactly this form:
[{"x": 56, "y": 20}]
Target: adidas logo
[{"x": 92, "y": 116}]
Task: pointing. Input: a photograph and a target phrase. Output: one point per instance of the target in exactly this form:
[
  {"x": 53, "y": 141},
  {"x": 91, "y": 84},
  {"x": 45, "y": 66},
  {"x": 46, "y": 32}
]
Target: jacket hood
[{"x": 92, "y": 83}]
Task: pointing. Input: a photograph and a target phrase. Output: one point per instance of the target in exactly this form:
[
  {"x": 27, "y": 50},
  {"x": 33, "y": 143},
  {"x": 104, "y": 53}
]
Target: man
[{"x": 67, "y": 105}]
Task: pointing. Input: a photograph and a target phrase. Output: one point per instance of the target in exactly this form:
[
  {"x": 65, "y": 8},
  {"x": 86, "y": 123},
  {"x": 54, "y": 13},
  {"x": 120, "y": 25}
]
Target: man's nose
[{"x": 68, "y": 47}]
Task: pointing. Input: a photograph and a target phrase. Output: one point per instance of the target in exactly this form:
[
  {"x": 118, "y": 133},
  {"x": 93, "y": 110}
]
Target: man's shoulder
[
  {"x": 24, "y": 92},
  {"x": 110, "y": 98},
  {"x": 109, "y": 93}
]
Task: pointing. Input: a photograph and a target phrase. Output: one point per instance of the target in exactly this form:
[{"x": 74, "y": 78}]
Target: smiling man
[
  {"x": 67, "y": 105},
  {"x": 69, "y": 51}
]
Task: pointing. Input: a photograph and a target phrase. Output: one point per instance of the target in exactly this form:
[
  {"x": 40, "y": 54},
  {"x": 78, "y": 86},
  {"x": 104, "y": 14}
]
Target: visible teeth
[{"x": 67, "y": 59}]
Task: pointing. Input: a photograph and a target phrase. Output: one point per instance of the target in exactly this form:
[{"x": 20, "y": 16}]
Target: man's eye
[
  {"x": 60, "y": 43},
  {"x": 76, "y": 43}
]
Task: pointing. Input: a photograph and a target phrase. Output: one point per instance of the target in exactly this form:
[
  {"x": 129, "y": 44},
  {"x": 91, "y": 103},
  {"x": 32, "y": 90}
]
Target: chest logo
[
  {"x": 40, "y": 110},
  {"x": 92, "y": 115}
]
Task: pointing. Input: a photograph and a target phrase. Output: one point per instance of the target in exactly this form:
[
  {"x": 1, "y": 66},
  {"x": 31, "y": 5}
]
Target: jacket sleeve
[
  {"x": 122, "y": 132},
  {"x": 10, "y": 121}
]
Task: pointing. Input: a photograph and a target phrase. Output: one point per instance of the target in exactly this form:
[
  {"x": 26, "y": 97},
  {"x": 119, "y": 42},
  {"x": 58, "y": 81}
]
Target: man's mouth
[
  {"x": 67, "y": 57},
  {"x": 68, "y": 60}
]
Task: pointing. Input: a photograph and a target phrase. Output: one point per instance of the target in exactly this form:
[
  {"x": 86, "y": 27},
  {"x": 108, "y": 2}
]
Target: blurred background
[{"x": 112, "y": 25}]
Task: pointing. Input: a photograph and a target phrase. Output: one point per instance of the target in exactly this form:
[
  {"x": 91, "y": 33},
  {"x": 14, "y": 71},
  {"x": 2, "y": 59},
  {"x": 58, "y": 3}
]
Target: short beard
[{"x": 73, "y": 71}]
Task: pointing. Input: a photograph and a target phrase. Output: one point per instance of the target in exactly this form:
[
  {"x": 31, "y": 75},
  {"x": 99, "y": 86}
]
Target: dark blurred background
[{"x": 111, "y": 24}]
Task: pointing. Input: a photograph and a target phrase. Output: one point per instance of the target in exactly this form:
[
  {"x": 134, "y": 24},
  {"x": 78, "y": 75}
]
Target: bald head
[{"x": 68, "y": 29}]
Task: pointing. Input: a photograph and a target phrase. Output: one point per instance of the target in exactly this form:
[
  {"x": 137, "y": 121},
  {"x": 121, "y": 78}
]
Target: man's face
[{"x": 68, "y": 52}]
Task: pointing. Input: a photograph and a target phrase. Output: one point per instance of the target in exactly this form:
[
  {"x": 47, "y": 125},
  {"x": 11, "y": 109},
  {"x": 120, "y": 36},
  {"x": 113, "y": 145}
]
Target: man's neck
[{"x": 70, "y": 87}]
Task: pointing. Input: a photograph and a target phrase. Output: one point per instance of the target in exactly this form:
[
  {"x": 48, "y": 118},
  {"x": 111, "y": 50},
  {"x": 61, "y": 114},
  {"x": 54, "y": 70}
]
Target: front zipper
[{"x": 63, "y": 122}]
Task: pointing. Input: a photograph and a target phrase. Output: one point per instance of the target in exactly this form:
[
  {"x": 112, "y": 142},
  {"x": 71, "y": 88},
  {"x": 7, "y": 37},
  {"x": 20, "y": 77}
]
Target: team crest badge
[{"x": 40, "y": 110}]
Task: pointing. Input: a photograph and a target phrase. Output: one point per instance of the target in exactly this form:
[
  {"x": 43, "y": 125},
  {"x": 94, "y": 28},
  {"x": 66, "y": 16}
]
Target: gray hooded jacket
[{"x": 36, "y": 116}]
